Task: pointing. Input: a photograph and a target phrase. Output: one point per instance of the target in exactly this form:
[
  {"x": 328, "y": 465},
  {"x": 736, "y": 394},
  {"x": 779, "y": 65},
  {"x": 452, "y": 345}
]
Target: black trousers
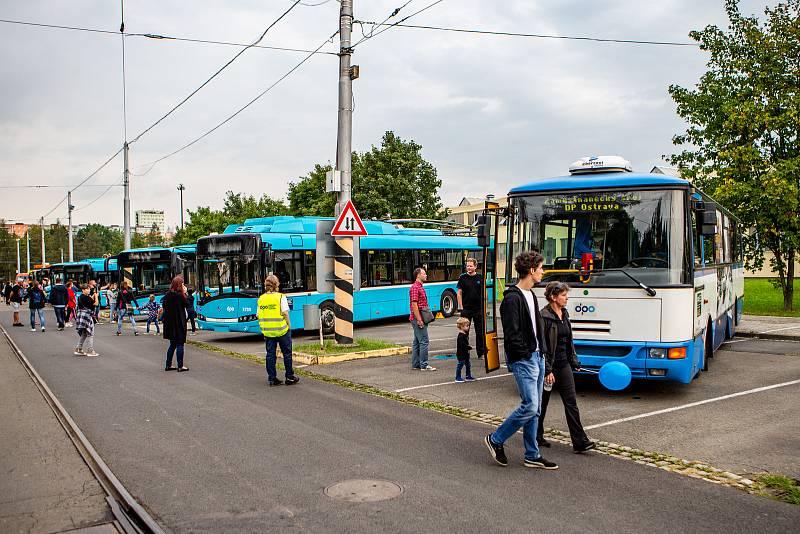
[
  {"x": 565, "y": 385},
  {"x": 476, "y": 317}
]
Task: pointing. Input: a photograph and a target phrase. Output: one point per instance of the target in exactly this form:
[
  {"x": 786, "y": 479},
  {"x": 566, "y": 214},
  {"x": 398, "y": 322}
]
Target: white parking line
[
  {"x": 448, "y": 383},
  {"x": 780, "y": 329},
  {"x": 691, "y": 405}
]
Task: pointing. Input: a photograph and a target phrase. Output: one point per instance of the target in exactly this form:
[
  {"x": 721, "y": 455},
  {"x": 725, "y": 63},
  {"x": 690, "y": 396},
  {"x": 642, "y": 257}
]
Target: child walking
[
  {"x": 462, "y": 350},
  {"x": 84, "y": 323},
  {"x": 152, "y": 308}
]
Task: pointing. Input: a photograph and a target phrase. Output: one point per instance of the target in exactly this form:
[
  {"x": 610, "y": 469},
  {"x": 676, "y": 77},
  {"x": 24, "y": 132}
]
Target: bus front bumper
[
  {"x": 646, "y": 360},
  {"x": 228, "y": 325}
]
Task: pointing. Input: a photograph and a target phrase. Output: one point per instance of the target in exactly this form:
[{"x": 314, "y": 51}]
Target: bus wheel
[
  {"x": 448, "y": 303},
  {"x": 328, "y": 314}
]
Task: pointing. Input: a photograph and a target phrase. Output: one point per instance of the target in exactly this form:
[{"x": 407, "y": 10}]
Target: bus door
[{"x": 488, "y": 225}]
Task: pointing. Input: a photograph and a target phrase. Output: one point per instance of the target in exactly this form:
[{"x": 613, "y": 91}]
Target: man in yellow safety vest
[{"x": 273, "y": 319}]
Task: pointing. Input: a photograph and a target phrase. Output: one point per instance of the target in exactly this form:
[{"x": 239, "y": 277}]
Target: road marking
[
  {"x": 691, "y": 405},
  {"x": 737, "y": 341},
  {"x": 780, "y": 329},
  {"x": 448, "y": 383}
]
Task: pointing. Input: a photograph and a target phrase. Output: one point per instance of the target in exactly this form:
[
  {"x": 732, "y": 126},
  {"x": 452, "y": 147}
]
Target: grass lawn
[
  {"x": 332, "y": 348},
  {"x": 761, "y": 298}
]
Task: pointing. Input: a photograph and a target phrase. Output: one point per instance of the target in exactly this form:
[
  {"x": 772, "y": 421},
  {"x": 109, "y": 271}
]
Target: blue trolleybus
[
  {"x": 655, "y": 265},
  {"x": 102, "y": 270},
  {"x": 149, "y": 271},
  {"x": 233, "y": 265}
]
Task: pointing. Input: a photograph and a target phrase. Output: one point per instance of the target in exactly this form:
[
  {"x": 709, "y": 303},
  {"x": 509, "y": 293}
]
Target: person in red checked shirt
[{"x": 419, "y": 303}]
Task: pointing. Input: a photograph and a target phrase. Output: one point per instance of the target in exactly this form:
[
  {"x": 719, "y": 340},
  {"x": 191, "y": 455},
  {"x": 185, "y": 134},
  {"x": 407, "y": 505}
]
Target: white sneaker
[
  {"x": 427, "y": 368},
  {"x": 33, "y": 330},
  {"x": 42, "y": 329},
  {"x": 78, "y": 352},
  {"x": 93, "y": 353}
]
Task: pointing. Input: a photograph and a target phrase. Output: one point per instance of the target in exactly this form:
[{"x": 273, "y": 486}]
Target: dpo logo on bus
[{"x": 586, "y": 308}]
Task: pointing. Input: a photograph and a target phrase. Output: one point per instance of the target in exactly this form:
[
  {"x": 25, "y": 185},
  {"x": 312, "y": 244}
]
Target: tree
[
  {"x": 238, "y": 207},
  {"x": 744, "y": 130},
  {"x": 95, "y": 240},
  {"x": 393, "y": 181}
]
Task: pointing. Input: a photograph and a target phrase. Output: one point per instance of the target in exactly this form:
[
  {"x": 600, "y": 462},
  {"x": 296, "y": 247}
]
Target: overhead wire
[
  {"x": 101, "y": 195},
  {"x": 364, "y": 37},
  {"x": 234, "y": 58},
  {"x": 390, "y": 26}
]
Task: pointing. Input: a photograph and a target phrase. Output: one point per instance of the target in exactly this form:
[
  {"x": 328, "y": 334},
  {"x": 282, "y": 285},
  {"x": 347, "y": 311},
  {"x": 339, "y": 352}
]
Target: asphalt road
[{"x": 215, "y": 450}]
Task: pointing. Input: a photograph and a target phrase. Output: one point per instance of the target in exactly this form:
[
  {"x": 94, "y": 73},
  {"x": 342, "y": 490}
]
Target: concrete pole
[
  {"x": 28, "y": 238},
  {"x": 44, "y": 260},
  {"x": 126, "y": 203},
  {"x": 70, "y": 207},
  {"x": 343, "y": 262},
  {"x": 18, "y": 255},
  {"x": 181, "y": 188}
]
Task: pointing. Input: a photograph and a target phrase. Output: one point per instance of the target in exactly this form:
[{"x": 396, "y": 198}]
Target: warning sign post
[{"x": 349, "y": 223}]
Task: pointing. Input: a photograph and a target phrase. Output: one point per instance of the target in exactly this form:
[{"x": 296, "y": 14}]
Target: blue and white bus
[
  {"x": 233, "y": 265},
  {"x": 102, "y": 270},
  {"x": 655, "y": 265},
  {"x": 149, "y": 271}
]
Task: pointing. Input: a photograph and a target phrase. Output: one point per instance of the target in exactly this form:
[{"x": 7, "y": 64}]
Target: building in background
[
  {"x": 18, "y": 229},
  {"x": 146, "y": 219}
]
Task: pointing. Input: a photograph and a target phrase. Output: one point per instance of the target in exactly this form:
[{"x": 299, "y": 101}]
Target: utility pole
[
  {"x": 181, "y": 188},
  {"x": 62, "y": 255},
  {"x": 28, "y": 250},
  {"x": 343, "y": 261},
  {"x": 70, "y": 207},
  {"x": 126, "y": 202},
  {"x": 44, "y": 261},
  {"x": 18, "y": 255}
]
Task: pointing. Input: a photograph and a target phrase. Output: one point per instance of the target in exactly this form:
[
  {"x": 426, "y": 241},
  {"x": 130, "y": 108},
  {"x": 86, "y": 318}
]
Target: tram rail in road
[{"x": 131, "y": 517}]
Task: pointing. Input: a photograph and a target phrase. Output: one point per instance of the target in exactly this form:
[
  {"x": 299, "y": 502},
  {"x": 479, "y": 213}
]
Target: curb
[
  {"x": 315, "y": 359},
  {"x": 776, "y": 337}
]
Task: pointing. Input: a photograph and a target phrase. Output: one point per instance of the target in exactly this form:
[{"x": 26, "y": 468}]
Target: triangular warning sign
[{"x": 349, "y": 223}]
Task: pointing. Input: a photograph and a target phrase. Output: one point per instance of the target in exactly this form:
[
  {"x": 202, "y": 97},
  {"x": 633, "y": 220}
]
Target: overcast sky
[{"x": 490, "y": 112}]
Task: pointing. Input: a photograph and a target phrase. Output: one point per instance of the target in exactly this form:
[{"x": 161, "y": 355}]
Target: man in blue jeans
[{"x": 525, "y": 344}]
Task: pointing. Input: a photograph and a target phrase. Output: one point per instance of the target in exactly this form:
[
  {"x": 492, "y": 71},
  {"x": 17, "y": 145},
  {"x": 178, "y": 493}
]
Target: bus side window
[
  {"x": 379, "y": 267},
  {"x": 401, "y": 265},
  {"x": 455, "y": 264},
  {"x": 311, "y": 270},
  {"x": 435, "y": 263}
]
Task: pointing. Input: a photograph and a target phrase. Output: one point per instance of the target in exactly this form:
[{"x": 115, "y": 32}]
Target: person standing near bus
[
  {"x": 525, "y": 345},
  {"x": 561, "y": 361},
  {"x": 470, "y": 297},
  {"x": 125, "y": 302},
  {"x": 418, "y": 300},
  {"x": 84, "y": 323},
  {"x": 15, "y": 298},
  {"x": 273, "y": 319},
  {"x": 37, "y": 299},
  {"x": 71, "y": 303},
  {"x": 110, "y": 292},
  {"x": 174, "y": 322},
  {"x": 59, "y": 299}
]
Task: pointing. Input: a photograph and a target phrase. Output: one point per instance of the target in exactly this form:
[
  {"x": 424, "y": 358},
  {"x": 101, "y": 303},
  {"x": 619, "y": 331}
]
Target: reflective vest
[{"x": 270, "y": 318}]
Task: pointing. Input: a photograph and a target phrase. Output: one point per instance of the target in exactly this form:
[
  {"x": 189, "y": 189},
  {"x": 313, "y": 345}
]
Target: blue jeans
[
  {"x": 34, "y": 311},
  {"x": 174, "y": 348},
  {"x": 150, "y": 321},
  {"x": 121, "y": 313},
  {"x": 285, "y": 341},
  {"x": 529, "y": 375},
  {"x": 60, "y": 315},
  {"x": 460, "y": 365},
  {"x": 419, "y": 347}
]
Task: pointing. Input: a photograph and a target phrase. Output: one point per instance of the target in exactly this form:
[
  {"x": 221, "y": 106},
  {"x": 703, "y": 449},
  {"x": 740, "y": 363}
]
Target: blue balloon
[{"x": 615, "y": 376}]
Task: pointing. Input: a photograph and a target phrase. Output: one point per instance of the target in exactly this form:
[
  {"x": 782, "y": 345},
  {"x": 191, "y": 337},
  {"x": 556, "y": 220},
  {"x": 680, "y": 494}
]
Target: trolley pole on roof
[
  {"x": 126, "y": 202},
  {"x": 343, "y": 262}
]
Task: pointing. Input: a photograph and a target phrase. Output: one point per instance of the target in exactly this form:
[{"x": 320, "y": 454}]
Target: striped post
[{"x": 343, "y": 290}]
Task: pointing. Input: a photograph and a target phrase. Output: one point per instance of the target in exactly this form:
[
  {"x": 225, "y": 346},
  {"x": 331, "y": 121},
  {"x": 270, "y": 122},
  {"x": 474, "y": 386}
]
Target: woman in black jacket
[
  {"x": 174, "y": 305},
  {"x": 559, "y": 364}
]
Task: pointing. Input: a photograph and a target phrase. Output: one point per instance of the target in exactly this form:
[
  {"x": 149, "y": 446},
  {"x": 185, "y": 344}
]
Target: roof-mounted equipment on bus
[{"x": 593, "y": 164}]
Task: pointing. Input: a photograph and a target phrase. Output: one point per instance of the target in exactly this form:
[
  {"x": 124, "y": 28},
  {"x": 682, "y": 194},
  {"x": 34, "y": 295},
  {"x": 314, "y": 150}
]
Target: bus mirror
[
  {"x": 706, "y": 218},
  {"x": 483, "y": 231}
]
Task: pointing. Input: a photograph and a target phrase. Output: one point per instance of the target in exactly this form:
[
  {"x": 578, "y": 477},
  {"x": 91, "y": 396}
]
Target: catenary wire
[
  {"x": 389, "y": 26},
  {"x": 234, "y": 58},
  {"x": 101, "y": 195},
  {"x": 364, "y": 37}
]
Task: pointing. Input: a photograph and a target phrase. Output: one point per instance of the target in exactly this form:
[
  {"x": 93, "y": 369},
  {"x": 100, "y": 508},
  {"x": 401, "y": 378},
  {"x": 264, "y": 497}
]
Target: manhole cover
[{"x": 363, "y": 490}]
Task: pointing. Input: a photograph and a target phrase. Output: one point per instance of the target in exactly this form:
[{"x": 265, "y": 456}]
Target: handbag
[{"x": 427, "y": 315}]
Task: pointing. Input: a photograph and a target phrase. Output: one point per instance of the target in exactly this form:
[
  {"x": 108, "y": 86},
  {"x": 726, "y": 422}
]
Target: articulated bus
[
  {"x": 233, "y": 265},
  {"x": 149, "y": 271},
  {"x": 655, "y": 265}
]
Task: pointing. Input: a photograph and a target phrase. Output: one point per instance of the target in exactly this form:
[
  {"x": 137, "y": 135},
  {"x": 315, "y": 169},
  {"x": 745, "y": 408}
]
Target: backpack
[{"x": 36, "y": 297}]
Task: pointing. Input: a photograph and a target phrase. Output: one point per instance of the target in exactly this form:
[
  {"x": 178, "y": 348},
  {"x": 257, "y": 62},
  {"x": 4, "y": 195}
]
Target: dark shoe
[
  {"x": 170, "y": 368},
  {"x": 496, "y": 451},
  {"x": 290, "y": 380},
  {"x": 540, "y": 463},
  {"x": 589, "y": 446},
  {"x": 543, "y": 442},
  {"x": 182, "y": 369},
  {"x": 275, "y": 382}
]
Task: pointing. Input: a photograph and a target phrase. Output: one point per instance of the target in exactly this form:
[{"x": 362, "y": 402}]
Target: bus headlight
[{"x": 658, "y": 352}]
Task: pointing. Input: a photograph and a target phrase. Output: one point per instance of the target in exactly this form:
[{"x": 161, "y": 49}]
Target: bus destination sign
[{"x": 591, "y": 202}]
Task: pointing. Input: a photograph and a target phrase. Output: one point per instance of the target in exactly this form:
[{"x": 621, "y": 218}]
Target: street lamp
[{"x": 181, "y": 188}]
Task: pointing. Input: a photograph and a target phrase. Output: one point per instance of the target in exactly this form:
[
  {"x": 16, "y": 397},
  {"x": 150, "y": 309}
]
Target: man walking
[
  {"x": 59, "y": 298},
  {"x": 525, "y": 345},
  {"x": 470, "y": 297},
  {"x": 419, "y": 312}
]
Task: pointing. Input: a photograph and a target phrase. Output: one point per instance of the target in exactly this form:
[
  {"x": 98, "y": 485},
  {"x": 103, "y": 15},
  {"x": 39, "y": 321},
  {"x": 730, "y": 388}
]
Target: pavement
[
  {"x": 768, "y": 327},
  {"x": 215, "y": 450}
]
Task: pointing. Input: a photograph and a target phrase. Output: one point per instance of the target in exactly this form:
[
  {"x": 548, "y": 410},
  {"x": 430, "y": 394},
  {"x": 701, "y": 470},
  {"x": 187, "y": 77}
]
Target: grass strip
[
  {"x": 331, "y": 347},
  {"x": 779, "y": 487}
]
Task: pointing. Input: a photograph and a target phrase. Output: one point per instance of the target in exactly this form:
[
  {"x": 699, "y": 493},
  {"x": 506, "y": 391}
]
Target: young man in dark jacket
[
  {"x": 525, "y": 346},
  {"x": 59, "y": 299}
]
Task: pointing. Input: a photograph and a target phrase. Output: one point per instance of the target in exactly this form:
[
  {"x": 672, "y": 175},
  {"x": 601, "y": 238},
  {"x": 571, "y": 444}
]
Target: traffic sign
[{"x": 349, "y": 223}]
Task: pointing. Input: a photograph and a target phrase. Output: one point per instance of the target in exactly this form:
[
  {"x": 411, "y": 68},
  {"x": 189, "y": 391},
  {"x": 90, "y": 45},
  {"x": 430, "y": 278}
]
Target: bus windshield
[
  {"x": 639, "y": 232},
  {"x": 148, "y": 277},
  {"x": 230, "y": 274}
]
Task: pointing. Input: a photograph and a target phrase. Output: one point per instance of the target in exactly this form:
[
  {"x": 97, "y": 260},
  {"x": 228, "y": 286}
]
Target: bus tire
[
  {"x": 328, "y": 313},
  {"x": 447, "y": 304}
]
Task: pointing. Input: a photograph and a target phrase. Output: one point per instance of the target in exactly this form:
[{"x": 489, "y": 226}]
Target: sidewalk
[
  {"x": 45, "y": 486},
  {"x": 768, "y": 327}
]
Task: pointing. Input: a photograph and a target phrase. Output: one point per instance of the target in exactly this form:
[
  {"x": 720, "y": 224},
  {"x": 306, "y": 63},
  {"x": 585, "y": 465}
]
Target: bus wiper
[{"x": 649, "y": 290}]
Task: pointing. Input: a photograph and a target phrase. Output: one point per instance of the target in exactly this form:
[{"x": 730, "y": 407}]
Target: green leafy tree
[
  {"x": 393, "y": 181},
  {"x": 8, "y": 254},
  {"x": 95, "y": 240},
  {"x": 743, "y": 139}
]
